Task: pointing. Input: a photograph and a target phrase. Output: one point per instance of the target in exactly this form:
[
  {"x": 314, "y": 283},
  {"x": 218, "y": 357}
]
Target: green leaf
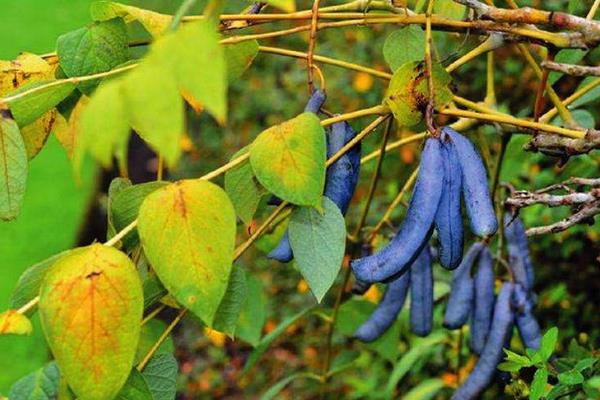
[
  {"x": 449, "y": 9},
  {"x": 243, "y": 189},
  {"x": 509, "y": 366},
  {"x": 594, "y": 382},
  {"x": 229, "y": 310},
  {"x": 155, "y": 23},
  {"x": 153, "y": 291},
  {"x": 538, "y": 385},
  {"x": 591, "y": 96},
  {"x": 91, "y": 308},
  {"x": 155, "y": 107},
  {"x": 404, "y": 45},
  {"x": 285, "y": 5},
  {"x": 584, "y": 364},
  {"x": 523, "y": 361},
  {"x": 548, "y": 343},
  {"x": 28, "y": 286},
  {"x": 425, "y": 390},
  {"x": 30, "y": 107},
  {"x": 353, "y": 313},
  {"x": 14, "y": 323},
  {"x": 318, "y": 241},
  {"x": 417, "y": 353},
  {"x": 39, "y": 385},
  {"x": 135, "y": 388},
  {"x": 161, "y": 376},
  {"x": 239, "y": 57},
  {"x": 187, "y": 230},
  {"x": 99, "y": 47},
  {"x": 572, "y": 377},
  {"x": 104, "y": 127},
  {"x": 266, "y": 341},
  {"x": 13, "y": 167},
  {"x": 582, "y": 117},
  {"x": 254, "y": 313},
  {"x": 289, "y": 160},
  {"x": 115, "y": 186},
  {"x": 125, "y": 207},
  {"x": 407, "y": 94},
  {"x": 182, "y": 52},
  {"x": 149, "y": 335}
]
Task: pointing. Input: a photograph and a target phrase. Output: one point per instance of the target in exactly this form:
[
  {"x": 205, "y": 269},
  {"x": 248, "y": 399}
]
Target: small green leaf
[
  {"x": 153, "y": 291},
  {"x": 187, "y": 230},
  {"x": 407, "y": 94},
  {"x": 266, "y": 341},
  {"x": 99, "y": 47},
  {"x": 149, "y": 335},
  {"x": 538, "y": 385},
  {"x": 39, "y": 385},
  {"x": 13, "y": 167},
  {"x": 594, "y": 382},
  {"x": 548, "y": 343},
  {"x": 104, "y": 127},
  {"x": 449, "y": 9},
  {"x": 135, "y": 388},
  {"x": 28, "y": 286},
  {"x": 254, "y": 313},
  {"x": 91, "y": 307},
  {"x": 424, "y": 390},
  {"x": 509, "y": 366},
  {"x": 404, "y": 45},
  {"x": 14, "y": 323},
  {"x": 517, "y": 358},
  {"x": 125, "y": 206},
  {"x": 239, "y": 57},
  {"x": 289, "y": 160},
  {"x": 155, "y": 108},
  {"x": 161, "y": 376},
  {"x": 572, "y": 377},
  {"x": 243, "y": 188},
  {"x": 155, "y": 23},
  {"x": 30, "y": 107},
  {"x": 318, "y": 241},
  {"x": 229, "y": 310},
  {"x": 584, "y": 364}
]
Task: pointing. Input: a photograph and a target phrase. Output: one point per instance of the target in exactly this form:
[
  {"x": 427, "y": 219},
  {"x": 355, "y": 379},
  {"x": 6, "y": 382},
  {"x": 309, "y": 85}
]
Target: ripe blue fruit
[
  {"x": 462, "y": 291},
  {"x": 387, "y": 310},
  {"x": 421, "y": 294},
  {"x": 448, "y": 219},
  {"x": 492, "y": 352},
  {"x": 475, "y": 186},
  {"x": 415, "y": 231},
  {"x": 527, "y": 325},
  {"x": 483, "y": 302},
  {"x": 518, "y": 251}
]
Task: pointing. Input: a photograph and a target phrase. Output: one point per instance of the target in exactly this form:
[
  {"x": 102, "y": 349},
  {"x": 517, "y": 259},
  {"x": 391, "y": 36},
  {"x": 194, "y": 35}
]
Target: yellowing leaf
[
  {"x": 407, "y": 94},
  {"x": 285, "y": 5},
  {"x": 36, "y": 134},
  {"x": 13, "y": 323},
  {"x": 27, "y": 67},
  {"x": 104, "y": 128},
  {"x": 68, "y": 135},
  {"x": 91, "y": 305},
  {"x": 13, "y": 167},
  {"x": 187, "y": 230},
  {"x": 155, "y": 23},
  {"x": 239, "y": 57},
  {"x": 155, "y": 108},
  {"x": 289, "y": 160}
]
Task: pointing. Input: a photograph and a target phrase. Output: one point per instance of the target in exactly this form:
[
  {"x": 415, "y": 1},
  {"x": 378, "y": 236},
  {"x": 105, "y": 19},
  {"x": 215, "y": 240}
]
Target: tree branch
[{"x": 571, "y": 69}]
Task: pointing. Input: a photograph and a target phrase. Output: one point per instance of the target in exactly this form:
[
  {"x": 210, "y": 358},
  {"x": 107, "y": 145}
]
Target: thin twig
[
  {"x": 572, "y": 69},
  {"x": 312, "y": 42}
]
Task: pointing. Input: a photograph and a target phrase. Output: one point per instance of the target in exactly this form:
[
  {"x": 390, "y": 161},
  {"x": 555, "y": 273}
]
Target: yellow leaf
[
  {"x": 155, "y": 23},
  {"x": 68, "y": 135},
  {"x": 13, "y": 323},
  {"x": 91, "y": 305}
]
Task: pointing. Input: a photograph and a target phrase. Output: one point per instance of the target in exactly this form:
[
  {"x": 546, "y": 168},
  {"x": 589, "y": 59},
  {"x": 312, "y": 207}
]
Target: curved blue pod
[
  {"x": 483, "y": 304},
  {"x": 475, "y": 186},
  {"x": 415, "y": 230},
  {"x": 421, "y": 294},
  {"x": 518, "y": 251},
  {"x": 492, "y": 353},
  {"x": 448, "y": 219},
  {"x": 360, "y": 287},
  {"x": 387, "y": 310},
  {"x": 315, "y": 102},
  {"x": 462, "y": 291},
  {"x": 527, "y": 325}
]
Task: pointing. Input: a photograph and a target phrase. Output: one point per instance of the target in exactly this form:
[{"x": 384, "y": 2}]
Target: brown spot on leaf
[
  {"x": 179, "y": 205},
  {"x": 93, "y": 275}
]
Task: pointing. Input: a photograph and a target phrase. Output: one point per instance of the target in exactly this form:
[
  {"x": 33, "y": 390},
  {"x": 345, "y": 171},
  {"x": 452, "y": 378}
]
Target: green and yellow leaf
[
  {"x": 14, "y": 323},
  {"x": 13, "y": 167},
  {"x": 155, "y": 23}
]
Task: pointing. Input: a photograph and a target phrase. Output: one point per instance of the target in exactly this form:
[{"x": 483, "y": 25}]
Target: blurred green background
[{"x": 271, "y": 91}]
